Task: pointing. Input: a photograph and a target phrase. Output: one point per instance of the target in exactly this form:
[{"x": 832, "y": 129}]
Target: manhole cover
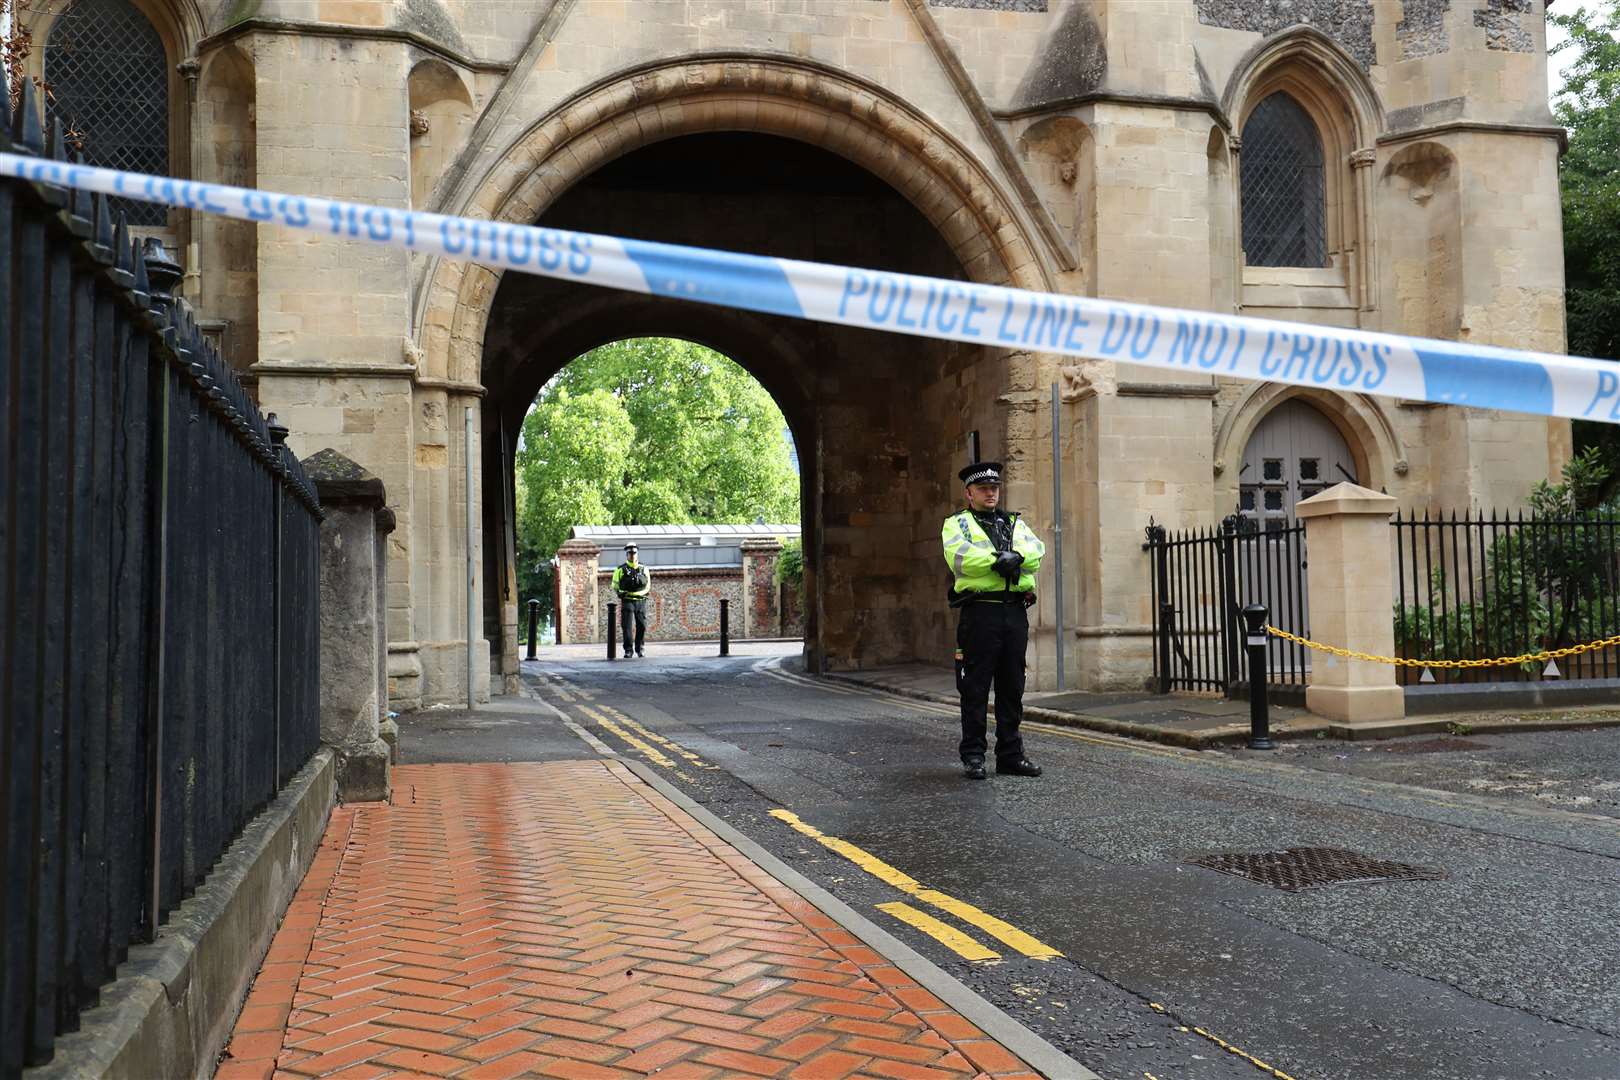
[{"x": 1313, "y": 867}]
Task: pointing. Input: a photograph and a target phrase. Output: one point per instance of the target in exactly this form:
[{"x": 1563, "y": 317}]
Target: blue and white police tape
[{"x": 1199, "y": 342}]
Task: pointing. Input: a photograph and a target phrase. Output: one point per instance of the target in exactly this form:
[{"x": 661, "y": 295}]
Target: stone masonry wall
[
  {"x": 1128, "y": 157},
  {"x": 578, "y": 559},
  {"x": 684, "y": 605},
  {"x": 792, "y": 612}
]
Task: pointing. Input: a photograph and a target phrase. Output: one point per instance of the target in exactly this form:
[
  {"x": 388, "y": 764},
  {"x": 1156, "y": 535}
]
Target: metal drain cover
[{"x": 1313, "y": 867}]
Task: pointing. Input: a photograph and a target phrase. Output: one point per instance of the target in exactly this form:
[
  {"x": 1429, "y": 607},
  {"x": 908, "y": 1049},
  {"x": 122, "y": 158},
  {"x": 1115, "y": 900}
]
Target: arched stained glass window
[
  {"x": 1284, "y": 198},
  {"x": 109, "y": 79}
]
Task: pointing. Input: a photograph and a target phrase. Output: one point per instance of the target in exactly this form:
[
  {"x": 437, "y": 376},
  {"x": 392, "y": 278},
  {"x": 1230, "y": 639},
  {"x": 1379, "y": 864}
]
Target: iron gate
[{"x": 1202, "y": 579}]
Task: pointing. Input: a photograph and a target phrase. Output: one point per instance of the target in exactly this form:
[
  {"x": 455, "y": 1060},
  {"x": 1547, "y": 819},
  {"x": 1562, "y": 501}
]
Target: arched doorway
[
  {"x": 1294, "y": 453},
  {"x": 675, "y": 447},
  {"x": 879, "y": 421}
]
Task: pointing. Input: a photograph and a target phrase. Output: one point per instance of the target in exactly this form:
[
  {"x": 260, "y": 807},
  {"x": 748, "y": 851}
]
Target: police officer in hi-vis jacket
[
  {"x": 994, "y": 556},
  {"x": 632, "y": 581}
]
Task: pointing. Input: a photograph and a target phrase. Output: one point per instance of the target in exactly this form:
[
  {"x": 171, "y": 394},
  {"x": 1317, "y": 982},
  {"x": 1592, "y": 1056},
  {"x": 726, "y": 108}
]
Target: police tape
[{"x": 1198, "y": 342}]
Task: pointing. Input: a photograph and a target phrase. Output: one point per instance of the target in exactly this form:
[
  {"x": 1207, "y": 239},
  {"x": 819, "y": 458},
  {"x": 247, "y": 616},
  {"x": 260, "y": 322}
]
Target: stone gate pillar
[
  {"x": 576, "y": 568},
  {"x": 354, "y": 641},
  {"x": 1351, "y": 583},
  {"x": 762, "y": 612}
]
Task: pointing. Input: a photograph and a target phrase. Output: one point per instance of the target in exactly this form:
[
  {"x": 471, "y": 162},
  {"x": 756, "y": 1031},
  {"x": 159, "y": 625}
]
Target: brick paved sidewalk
[{"x": 566, "y": 920}]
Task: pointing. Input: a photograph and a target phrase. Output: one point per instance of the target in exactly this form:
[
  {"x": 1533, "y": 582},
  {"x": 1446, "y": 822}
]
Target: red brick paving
[{"x": 565, "y": 920}]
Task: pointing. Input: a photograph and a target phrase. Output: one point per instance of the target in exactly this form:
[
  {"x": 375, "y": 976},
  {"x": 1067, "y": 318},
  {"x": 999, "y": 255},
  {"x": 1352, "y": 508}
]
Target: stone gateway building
[{"x": 1385, "y": 164}]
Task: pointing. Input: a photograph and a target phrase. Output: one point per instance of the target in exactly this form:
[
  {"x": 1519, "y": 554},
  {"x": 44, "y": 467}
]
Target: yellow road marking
[
  {"x": 1002, "y": 931},
  {"x": 961, "y": 944},
  {"x": 565, "y": 688},
  {"x": 659, "y": 739},
  {"x": 650, "y": 752},
  {"x": 1228, "y": 1047}
]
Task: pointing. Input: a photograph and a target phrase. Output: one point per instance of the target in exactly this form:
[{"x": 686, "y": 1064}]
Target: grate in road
[{"x": 1313, "y": 867}]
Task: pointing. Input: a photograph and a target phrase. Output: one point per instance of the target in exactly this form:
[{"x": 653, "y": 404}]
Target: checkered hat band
[{"x": 984, "y": 475}]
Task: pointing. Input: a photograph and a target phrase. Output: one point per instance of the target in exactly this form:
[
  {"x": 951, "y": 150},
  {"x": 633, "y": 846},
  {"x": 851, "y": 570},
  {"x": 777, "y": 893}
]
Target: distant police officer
[
  {"x": 994, "y": 556},
  {"x": 632, "y": 581}
]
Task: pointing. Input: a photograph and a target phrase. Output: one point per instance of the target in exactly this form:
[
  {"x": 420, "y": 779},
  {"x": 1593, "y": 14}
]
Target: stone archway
[
  {"x": 790, "y": 98},
  {"x": 773, "y": 360},
  {"x": 876, "y": 461},
  {"x": 878, "y": 482}
]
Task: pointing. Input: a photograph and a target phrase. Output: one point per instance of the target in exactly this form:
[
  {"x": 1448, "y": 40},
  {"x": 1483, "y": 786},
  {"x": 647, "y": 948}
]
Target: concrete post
[
  {"x": 577, "y": 618},
  {"x": 354, "y": 642},
  {"x": 762, "y": 611},
  {"x": 1351, "y": 582}
]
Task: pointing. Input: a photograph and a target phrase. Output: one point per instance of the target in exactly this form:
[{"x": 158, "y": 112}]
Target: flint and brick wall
[{"x": 684, "y": 604}]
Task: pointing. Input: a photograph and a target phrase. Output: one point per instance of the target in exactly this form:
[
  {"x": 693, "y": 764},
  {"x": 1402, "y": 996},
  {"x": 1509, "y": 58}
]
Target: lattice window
[
  {"x": 109, "y": 79},
  {"x": 1284, "y": 193}
]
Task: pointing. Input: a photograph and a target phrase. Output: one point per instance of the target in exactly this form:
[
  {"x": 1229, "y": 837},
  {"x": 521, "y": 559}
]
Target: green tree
[
  {"x": 649, "y": 431},
  {"x": 1589, "y": 174},
  {"x": 790, "y": 564}
]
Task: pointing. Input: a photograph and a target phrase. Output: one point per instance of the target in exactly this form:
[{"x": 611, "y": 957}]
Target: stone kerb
[
  {"x": 354, "y": 640},
  {"x": 762, "y": 612},
  {"x": 1351, "y": 580},
  {"x": 577, "y": 564}
]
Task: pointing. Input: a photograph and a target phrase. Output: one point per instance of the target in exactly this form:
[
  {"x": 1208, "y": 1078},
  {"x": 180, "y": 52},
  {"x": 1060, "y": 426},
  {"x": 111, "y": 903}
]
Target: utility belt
[{"x": 1002, "y": 596}]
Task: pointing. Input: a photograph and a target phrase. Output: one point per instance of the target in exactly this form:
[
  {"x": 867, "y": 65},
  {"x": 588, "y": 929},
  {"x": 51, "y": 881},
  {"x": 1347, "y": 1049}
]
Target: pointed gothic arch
[{"x": 1334, "y": 93}]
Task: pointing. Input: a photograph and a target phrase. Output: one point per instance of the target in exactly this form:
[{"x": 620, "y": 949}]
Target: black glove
[{"x": 1008, "y": 564}]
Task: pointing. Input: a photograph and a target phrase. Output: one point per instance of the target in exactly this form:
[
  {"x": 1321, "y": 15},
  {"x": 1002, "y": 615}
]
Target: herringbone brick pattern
[{"x": 564, "y": 920}]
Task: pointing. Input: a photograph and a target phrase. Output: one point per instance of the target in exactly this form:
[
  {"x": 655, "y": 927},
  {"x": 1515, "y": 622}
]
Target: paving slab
[{"x": 566, "y": 919}]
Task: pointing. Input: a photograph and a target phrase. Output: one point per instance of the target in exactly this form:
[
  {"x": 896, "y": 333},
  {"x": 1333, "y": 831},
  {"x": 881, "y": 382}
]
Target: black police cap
[{"x": 983, "y": 472}]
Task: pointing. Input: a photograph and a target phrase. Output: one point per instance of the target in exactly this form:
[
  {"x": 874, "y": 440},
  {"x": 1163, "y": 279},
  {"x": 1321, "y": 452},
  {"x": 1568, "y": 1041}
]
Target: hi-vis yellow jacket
[
  {"x": 970, "y": 554},
  {"x": 638, "y": 594}
]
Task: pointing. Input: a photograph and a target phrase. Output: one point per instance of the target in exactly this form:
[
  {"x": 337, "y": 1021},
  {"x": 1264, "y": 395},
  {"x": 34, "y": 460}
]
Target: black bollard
[
  {"x": 534, "y": 627},
  {"x": 613, "y": 631},
  {"x": 725, "y": 627},
  {"x": 1258, "y": 643}
]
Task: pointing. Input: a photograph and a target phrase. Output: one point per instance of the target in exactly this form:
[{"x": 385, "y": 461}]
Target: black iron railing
[
  {"x": 1473, "y": 587},
  {"x": 159, "y": 603},
  {"x": 1201, "y": 579}
]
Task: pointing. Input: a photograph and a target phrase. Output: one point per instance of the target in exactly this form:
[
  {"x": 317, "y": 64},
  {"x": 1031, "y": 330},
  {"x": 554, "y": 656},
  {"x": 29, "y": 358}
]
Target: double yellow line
[
  {"x": 964, "y": 945},
  {"x": 644, "y": 741}
]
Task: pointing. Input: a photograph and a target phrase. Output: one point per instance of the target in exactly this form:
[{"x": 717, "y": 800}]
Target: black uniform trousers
[
  {"x": 992, "y": 637},
  {"x": 632, "y": 611}
]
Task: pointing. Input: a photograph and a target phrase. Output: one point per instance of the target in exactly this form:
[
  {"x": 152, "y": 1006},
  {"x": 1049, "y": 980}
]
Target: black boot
[
  {"x": 973, "y": 768},
  {"x": 1021, "y": 767}
]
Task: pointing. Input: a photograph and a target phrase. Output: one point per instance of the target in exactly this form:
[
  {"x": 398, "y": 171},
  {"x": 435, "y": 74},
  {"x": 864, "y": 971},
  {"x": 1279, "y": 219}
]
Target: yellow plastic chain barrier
[{"x": 1351, "y": 654}]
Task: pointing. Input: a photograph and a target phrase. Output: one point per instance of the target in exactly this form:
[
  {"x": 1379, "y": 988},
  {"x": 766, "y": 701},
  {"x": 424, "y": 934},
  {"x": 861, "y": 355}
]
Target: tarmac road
[{"x": 1507, "y": 966}]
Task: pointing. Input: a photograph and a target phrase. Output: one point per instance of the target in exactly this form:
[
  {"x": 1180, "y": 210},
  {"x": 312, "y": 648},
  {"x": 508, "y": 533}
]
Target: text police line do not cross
[{"x": 1445, "y": 372}]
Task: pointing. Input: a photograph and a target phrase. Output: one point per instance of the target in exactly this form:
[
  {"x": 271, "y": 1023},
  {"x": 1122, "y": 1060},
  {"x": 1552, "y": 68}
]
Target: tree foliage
[
  {"x": 790, "y": 564},
  {"x": 1589, "y": 175},
  {"x": 649, "y": 431}
]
